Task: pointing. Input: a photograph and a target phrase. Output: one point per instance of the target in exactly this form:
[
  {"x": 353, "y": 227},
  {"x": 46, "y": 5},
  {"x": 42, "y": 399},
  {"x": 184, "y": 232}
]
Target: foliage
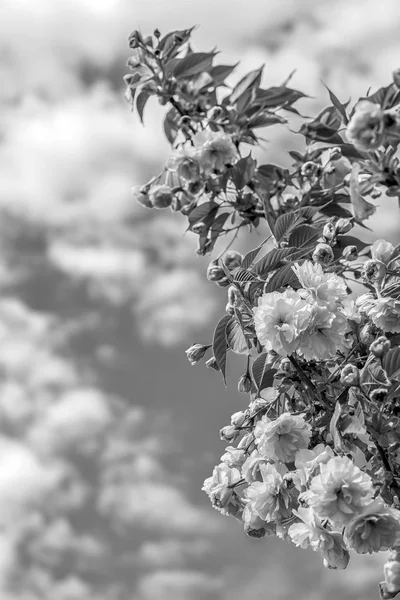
[{"x": 317, "y": 455}]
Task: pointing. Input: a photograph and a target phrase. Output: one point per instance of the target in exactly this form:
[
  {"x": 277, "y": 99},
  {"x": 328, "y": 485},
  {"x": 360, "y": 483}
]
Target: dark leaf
[
  {"x": 170, "y": 125},
  {"x": 220, "y": 345},
  {"x": 241, "y": 275},
  {"x": 335, "y": 210},
  {"x": 319, "y": 132},
  {"x": 272, "y": 260},
  {"x": 141, "y": 103},
  {"x": 220, "y": 72},
  {"x": 391, "y": 361},
  {"x": 200, "y": 212},
  {"x": 263, "y": 375},
  {"x": 284, "y": 224},
  {"x": 252, "y": 255},
  {"x": 243, "y": 171},
  {"x": 235, "y": 337},
  {"x": 265, "y": 120},
  {"x": 278, "y": 96},
  {"x": 174, "y": 40},
  {"x": 349, "y": 240},
  {"x": 283, "y": 277},
  {"x": 341, "y": 108},
  {"x": 248, "y": 82},
  {"x": 395, "y": 256},
  {"x": 387, "y": 96},
  {"x": 193, "y": 63},
  {"x": 304, "y": 236}
]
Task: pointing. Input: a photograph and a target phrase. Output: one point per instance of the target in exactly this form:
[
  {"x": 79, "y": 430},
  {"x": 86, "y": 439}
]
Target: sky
[{"x": 106, "y": 431}]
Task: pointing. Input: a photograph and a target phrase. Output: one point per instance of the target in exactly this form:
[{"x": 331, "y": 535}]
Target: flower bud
[
  {"x": 224, "y": 282},
  {"x": 373, "y": 271},
  {"x": 350, "y": 253},
  {"x": 335, "y": 153},
  {"x": 233, "y": 259},
  {"x": 233, "y": 295},
  {"x": 229, "y": 433},
  {"x": 135, "y": 39},
  {"x": 214, "y": 272},
  {"x": 323, "y": 254},
  {"x": 368, "y": 333},
  {"x": 309, "y": 169},
  {"x": 244, "y": 384},
  {"x": 379, "y": 395},
  {"x": 161, "y": 196},
  {"x": 211, "y": 363},
  {"x": 344, "y": 226},
  {"x": 329, "y": 231},
  {"x": 391, "y": 570},
  {"x": 141, "y": 197},
  {"x": 255, "y": 533},
  {"x": 196, "y": 352},
  {"x": 380, "y": 346},
  {"x": 229, "y": 309},
  {"x": 238, "y": 418},
  {"x": 350, "y": 375},
  {"x": 286, "y": 366},
  {"x": 199, "y": 227},
  {"x": 195, "y": 187}
]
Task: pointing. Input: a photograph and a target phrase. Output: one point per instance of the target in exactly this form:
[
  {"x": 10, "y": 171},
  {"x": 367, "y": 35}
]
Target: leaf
[
  {"x": 373, "y": 375},
  {"x": 387, "y": 96},
  {"x": 263, "y": 375},
  {"x": 220, "y": 72},
  {"x": 283, "y": 277},
  {"x": 200, "y": 212},
  {"x": 241, "y": 275},
  {"x": 235, "y": 338},
  {"x": 321, "y": 133},
  {"x": 269, "y": 175},
  {"x": 248, "y": 82},
  {"x": 274, "y": 259},
  {"x": 283, "y": 224},
  {"x": 242, "y": 172},
  {"x": 304, "y": 236},
  {"x": 174, "y": 39},
  {"x": 335, "y": 210},
  {"x": 141, "y": 101},
  {"x": 264, "y": 120},
  {"x": 341, "y": 108},
  {"x": 350, "y": 240},
  {"x": 395, "y": 255},
  {"x": 193, "y": 63},
  {"x": 278, "y": 96},
  {"x": 220, "y": 345},
  {"x": 170, "y": 125},
  {"x": 391, "y": 361},
  {"x": 252, "y": 255}
]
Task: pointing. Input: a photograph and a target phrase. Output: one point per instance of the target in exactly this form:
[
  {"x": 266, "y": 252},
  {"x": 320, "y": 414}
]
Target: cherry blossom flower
[{"x": 282, "y": 438}]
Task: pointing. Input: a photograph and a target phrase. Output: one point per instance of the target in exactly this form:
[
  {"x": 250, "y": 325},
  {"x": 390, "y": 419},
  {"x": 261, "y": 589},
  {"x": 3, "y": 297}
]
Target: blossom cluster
[{"x": 317, "y": 454}]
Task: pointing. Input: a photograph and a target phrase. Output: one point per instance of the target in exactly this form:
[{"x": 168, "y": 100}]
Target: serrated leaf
[
  {"x": 272, "y": 260},
  {"x": 241, "y": 275},
  {"x": 235, "y": 338},
  {"x": 278, "y": 96},
  {"x": 373, "y": 376},
  {"x": 141, "y": 103},
  {"x": 252, "y": 255},
  {"x": 193, "y": 63},
  {"x": 283, "y": 224},
  {"x": 248, "y": 82},
  {"x": 263, "y": 375},
  {"x": 304, "y": 236},
  {"x": 283, "y": 277},
  {"x": 391, "y": 361},
  {"x": 220, "y": 345},
  {"x": 265, "y": 119}
]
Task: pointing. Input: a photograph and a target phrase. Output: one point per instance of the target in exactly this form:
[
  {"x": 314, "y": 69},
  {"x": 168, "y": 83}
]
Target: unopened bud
[
  {"x": 323, "y": 254},
  {"x": 309, "y": 169},
  {"x": 232, "y": 295},
  {"x": 244, "y": 384},
  {"x": 286, "y": 366},
  {"x": 344, "y": 226},
  {"x": 255, "y": 533},
  {"x": 329, "y": 231},
  {"x": 199, "y": 227},
  {"x": 391, "y": 570},
  {"x": 233, "y": 259},
  {"x": 378, "y": 395},
  {"x": 214, "y": 272},
  {"x": 229, "y": 309},
  {"x": 350, "y": 253},
  {"x": 135, "y": 39},
  {"x": 380, "y": 346},
  {"x": 195, "y": 187},
  {"x": 335, "y": 153},
  {"x": 211, "y": 363},
  {"x": 350, "y": 375},
  {"x": 368, "y": 333},
  {"x": 224, "y": 282},
  {"x": 161, "y": 196},
  {"x": 196, "y": 352},
  {"x": 157, "y": 33},
  {"x": 373, "y": 270},
  {"x": 238, "y": 418},
  {"x": 229, "y": 433},
  {"x": 141, "y": 197}
]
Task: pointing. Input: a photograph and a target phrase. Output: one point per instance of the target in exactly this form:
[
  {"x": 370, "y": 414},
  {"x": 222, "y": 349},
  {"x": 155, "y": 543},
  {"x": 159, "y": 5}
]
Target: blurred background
[{"x": 107, "y": 433}]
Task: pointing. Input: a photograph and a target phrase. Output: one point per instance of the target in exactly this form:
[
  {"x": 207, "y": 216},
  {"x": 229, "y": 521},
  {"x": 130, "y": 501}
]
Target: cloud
[{"x": 180, "y": 585}]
